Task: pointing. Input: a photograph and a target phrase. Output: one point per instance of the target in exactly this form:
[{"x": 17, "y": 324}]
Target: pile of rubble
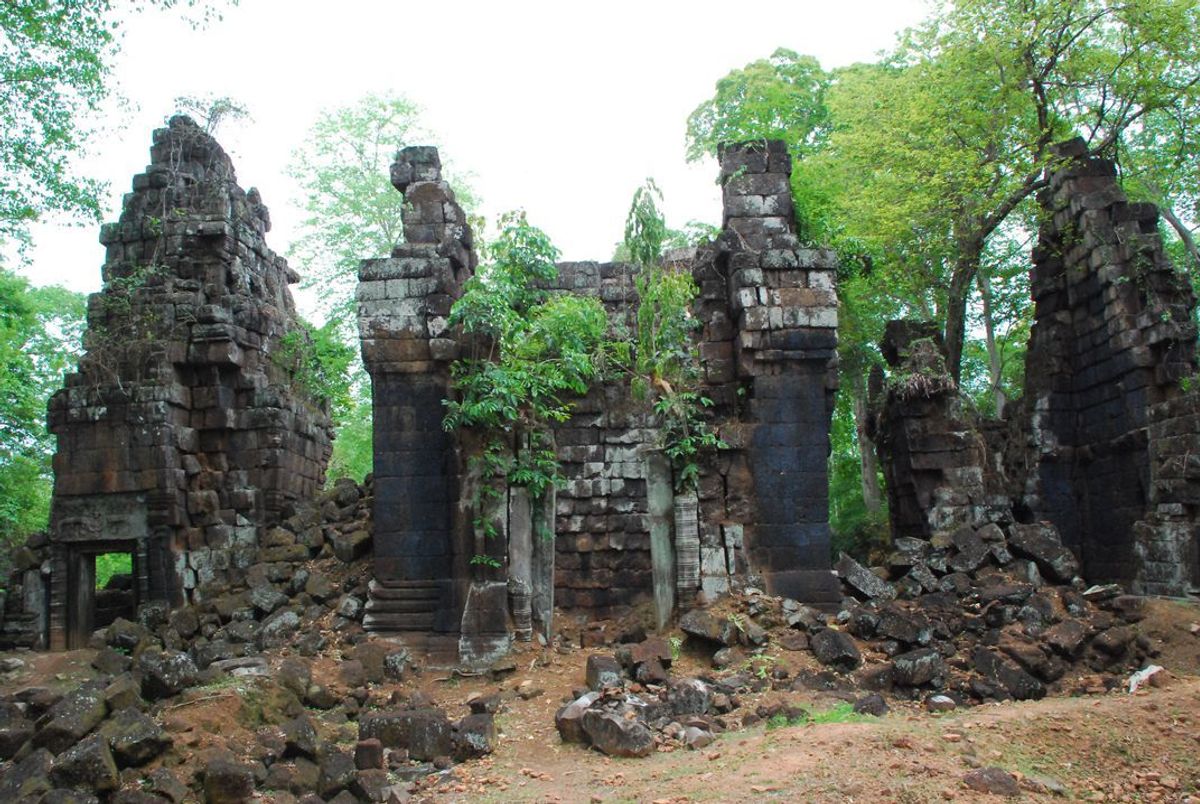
[
  {"x": 988, "y": 614},
  {"x": 112, "y": 737}
]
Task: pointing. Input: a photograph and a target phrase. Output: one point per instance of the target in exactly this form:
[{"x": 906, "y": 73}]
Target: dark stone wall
[
  {"x": 184, "y": 432},
  {"x": 422, "y": 534},
  {"x": 768, "y": 345},
  {"x": 934, "y": 456},
  {"x": 1113, "y": 335}
]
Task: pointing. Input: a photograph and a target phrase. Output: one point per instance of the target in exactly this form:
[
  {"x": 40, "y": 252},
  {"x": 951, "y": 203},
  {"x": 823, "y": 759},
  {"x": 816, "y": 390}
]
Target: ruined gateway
[{"x": 186, "y": 434}]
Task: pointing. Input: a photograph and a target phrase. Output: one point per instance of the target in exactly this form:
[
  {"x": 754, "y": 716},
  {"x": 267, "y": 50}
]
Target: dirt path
[{"x": 1113, "y": 747}]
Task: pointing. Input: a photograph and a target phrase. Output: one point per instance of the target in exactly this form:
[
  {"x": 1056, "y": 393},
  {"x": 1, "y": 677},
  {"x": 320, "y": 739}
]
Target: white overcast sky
[{"x": 561, "y": 108}]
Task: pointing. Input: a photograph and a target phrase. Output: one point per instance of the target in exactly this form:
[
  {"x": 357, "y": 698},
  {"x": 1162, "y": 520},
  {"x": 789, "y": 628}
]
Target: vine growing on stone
[
  {"x": 530, "y": 352},
  {"x": 666, "y": 366}
]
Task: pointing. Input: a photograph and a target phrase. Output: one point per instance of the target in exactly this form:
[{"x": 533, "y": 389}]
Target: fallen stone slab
[
  {"x": 1041, "y": 544},
  {"x": 616, "y": 735},
  {"x": 862, "y": 581}
]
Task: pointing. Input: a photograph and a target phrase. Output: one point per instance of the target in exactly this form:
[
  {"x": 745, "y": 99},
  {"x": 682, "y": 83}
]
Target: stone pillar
[
  {"x": 423, "y": 538},
  {"x": 779, "y": 360},
  {"x": 932, "y": 453}
]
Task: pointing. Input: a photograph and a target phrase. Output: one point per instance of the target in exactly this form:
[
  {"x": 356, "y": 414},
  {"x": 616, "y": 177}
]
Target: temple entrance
[{"x": 101, "y": 586}]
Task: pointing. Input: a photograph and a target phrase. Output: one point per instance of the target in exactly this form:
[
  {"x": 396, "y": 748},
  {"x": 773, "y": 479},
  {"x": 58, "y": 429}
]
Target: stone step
[
  {"x": 412, "y": 590},
  {"x": 398, "y": 621},
  {"x": 376, "y": 606}
]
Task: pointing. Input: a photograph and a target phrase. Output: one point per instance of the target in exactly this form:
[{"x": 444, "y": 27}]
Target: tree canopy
[
  {"x": 41, "y": 330},
  {"x": 55, "y": 69}
]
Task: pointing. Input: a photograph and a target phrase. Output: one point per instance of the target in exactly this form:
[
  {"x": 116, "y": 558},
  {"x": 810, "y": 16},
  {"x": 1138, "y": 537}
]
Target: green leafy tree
[
  {"x": 781, "y": 97},
  {"x": 351, "y": 209},
  {"x": 665, "y": 364},
  {"x": 353, "y": 212},
  {"x": 55, "y": 70},
  {"x": 951, "y": 136},
  {"x": 40, "y": 333}
]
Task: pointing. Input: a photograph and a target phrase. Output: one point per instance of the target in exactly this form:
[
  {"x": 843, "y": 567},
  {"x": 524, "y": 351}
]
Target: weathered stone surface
[
  {"x": 864, "y": 582},
  {"x": 181, "y": 418},
  {"x": 425, "y": 733},
  {"x": 166, "y": 673},
  {"x": 690, "y": 696},
  {"x": 266, "y": 598},
  {"x": 88, "y": 764},
  {"x": 338, "y": 774},
  {"x": 29, "y": 778},
  {"x": 227, "y": 781},
  {"x": 14, "y": 731},
  {"x": 872, "y": 704},
  {"x": 918, "y": 667},
  {"x": 278, "y": 629},
  {"x": 569, "y": 719},
  {"x": 349, "y": 547},
  {"x": 705, "y": 625},
  {"x": 835, "y": 649},
  {"x": 603, "y": 671},
  {"x": 994, "y": 781},
  {"x": 368, "y": 754},
  {"x": 617, "y": 736},
  {"x": 300, "y": 738},
  {"x": 80, "y": 711},
  {"x": 1040, "y": 544},
  {"x": 134, "y": 738},
  {"x": 1014, "y": 680},
  {"x": 474, "y": 736}
]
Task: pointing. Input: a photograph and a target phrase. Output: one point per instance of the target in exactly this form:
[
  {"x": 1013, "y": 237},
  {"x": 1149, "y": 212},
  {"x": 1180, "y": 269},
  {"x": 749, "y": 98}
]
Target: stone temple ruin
[
  {"x": 183, "y": 435},
  {"x": 1101, "y": 453},
  {"x": 769, "y": 315},
  {"x": 187, "y": 433}
]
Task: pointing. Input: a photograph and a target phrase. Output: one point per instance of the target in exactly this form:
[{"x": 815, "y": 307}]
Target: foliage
[
  {"x": 55, "y": 70},
  {"x": 857, "y": 530},
  {"x": 353, "y": 447},
  {"x": 951, "y": 135},
  {"x": 352, "y": 212},
  {"x": 40, "y": 333},
  {"x": 110, "y": 564},
  {"x": 351, "y": 209},
  {"x": 531, "y": 353},
  {"x": 318, "y": 361},
  {"x": 211, "y": 111},
  {"x": 665, "y": 362},
  {"x": 781, "y": 97}
]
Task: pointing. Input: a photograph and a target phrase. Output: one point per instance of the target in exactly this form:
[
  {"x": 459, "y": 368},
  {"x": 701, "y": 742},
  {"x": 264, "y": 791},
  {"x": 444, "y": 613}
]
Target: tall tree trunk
[
  {"x": 1185, "y": 234},
  {"x": 867, "y": 457},
  {"x": 965, "y": 268},
  {"x": 995, "y": 365}
]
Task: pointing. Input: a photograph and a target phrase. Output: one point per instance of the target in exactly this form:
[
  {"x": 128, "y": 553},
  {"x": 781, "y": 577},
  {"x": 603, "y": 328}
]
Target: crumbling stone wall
[
  {"x": 603, "y": 559},
  {"x": 935, "y": 459},
  {"x": 184, "y": 432},
  {"x": 1100, "y": 450},
  {"x": 624, "y": 535},
  {"x": 769, "y": 348},
  {"x": 404, "y": 303},
  {"x": 1112, "y": 337}
]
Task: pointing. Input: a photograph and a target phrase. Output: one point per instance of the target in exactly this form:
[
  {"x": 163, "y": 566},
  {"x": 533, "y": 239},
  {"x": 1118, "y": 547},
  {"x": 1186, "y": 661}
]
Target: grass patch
[{"x": 840, "y": 713}]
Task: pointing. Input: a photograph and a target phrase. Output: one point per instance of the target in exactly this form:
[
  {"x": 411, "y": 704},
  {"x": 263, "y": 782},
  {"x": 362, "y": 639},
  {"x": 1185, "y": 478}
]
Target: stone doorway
[{"x": 89, "y": 607}]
